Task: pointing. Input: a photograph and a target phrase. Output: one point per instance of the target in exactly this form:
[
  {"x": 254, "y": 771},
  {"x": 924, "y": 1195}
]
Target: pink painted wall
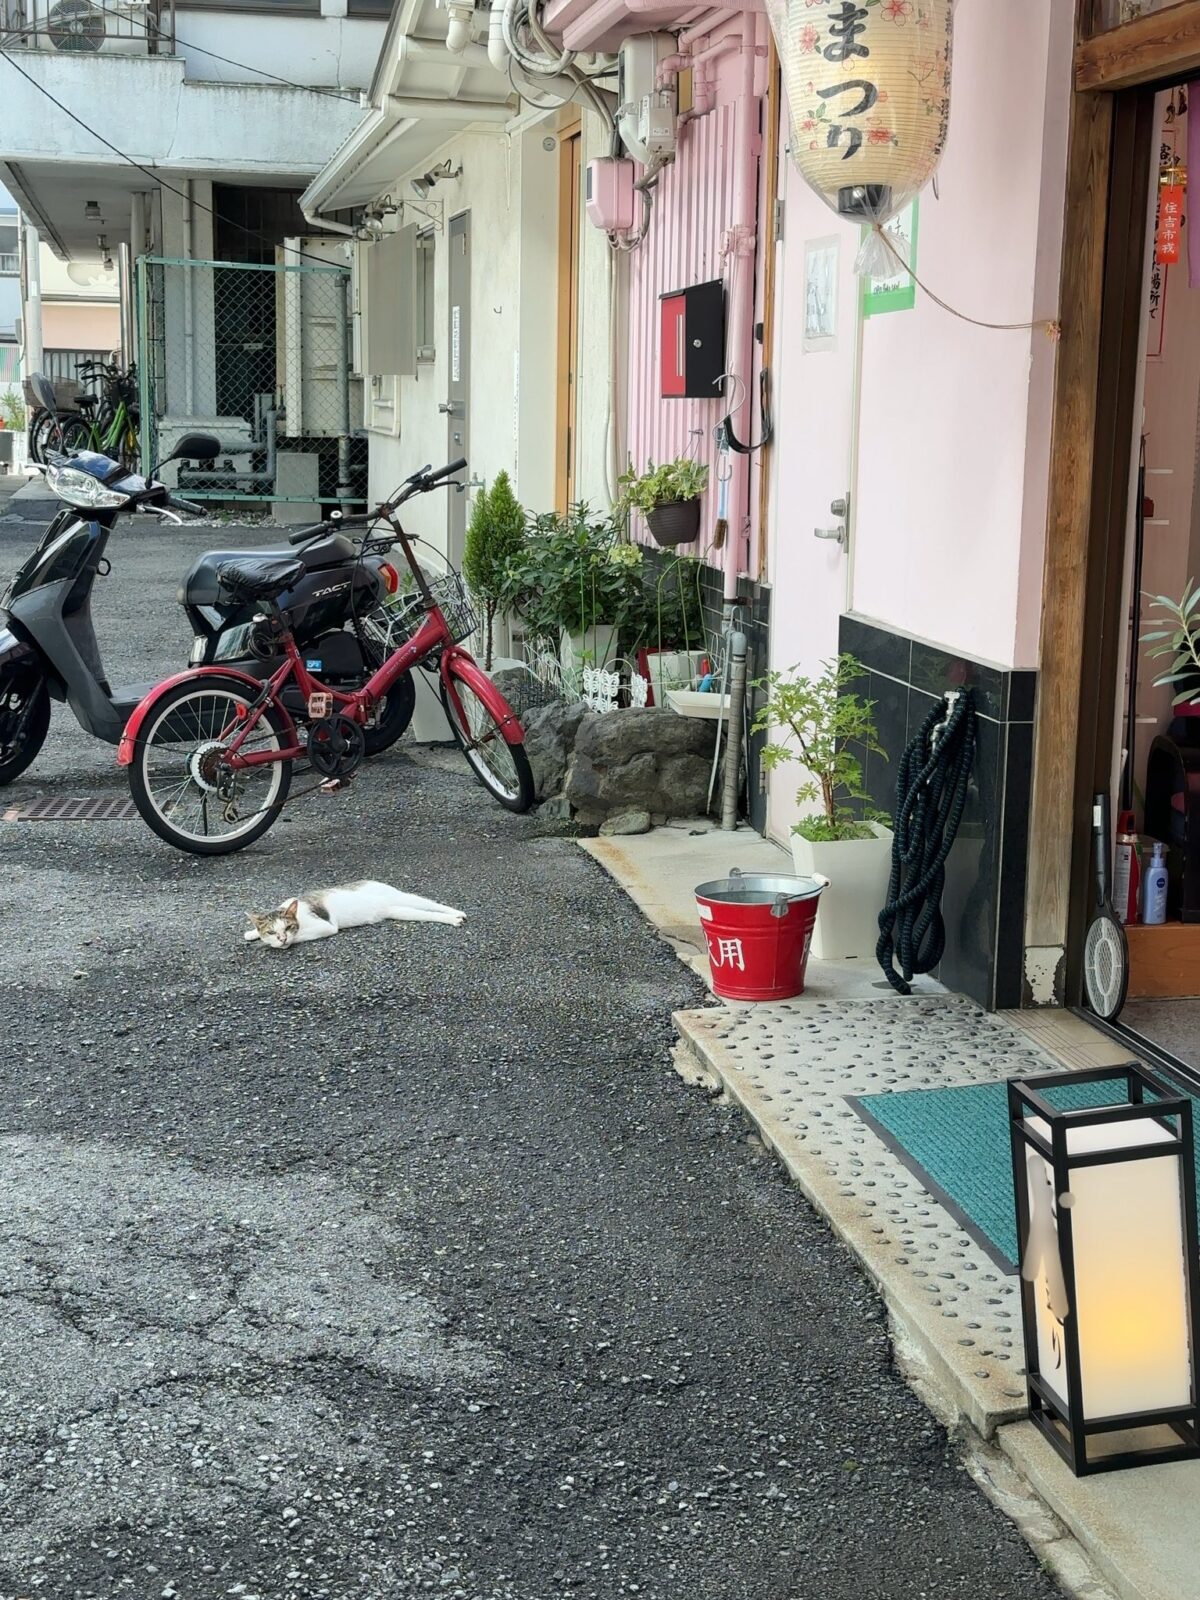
[
  {"x": 954, "y": 421},
  {"x": 80, "y": 326},
  {"x": 693, "y": 209}
]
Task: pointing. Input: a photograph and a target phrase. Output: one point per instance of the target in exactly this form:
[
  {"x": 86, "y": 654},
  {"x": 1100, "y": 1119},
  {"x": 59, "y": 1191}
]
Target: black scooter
[{"x": 48, "y": 646}]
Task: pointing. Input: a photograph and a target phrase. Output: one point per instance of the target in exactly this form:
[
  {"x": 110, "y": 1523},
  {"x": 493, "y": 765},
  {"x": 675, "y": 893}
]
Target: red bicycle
[{"x": 210, "y": 752}]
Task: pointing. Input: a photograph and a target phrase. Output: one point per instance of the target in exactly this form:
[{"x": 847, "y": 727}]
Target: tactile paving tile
[{"x": 791, "y": 1066}]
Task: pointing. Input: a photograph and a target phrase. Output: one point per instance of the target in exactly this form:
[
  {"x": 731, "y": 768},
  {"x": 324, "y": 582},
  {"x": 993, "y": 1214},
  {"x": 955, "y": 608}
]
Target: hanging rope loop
[{"x": 931, "y": 792}]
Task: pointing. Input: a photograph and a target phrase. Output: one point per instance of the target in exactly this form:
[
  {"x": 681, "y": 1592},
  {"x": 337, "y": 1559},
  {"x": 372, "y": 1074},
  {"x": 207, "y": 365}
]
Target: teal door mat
[{"x": 956, "y": 1143}]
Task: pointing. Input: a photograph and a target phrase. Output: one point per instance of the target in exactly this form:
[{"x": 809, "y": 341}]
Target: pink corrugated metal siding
[{"x": 693, "y": 208}]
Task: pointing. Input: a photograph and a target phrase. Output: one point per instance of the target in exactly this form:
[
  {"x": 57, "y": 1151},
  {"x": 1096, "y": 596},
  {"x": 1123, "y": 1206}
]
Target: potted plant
[
  {"x": 573, "y": 584},
  {"x": 668, "y": 497},
  {"x": 819, "y": 723},
  {"x": 664, "y": 627},
  {"x": 496, "y": 535}
]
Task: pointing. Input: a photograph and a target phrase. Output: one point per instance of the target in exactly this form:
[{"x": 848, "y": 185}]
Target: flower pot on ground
[
  {"x": 668, "y": 497},
  {"x": 858, "y": 872},
  {"x": 825, "y": 728},
  {"x": 593, "y": 647}
]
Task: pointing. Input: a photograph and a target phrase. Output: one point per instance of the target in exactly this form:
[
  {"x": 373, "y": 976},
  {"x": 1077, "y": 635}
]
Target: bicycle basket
[{"x": 392, "y": 625}]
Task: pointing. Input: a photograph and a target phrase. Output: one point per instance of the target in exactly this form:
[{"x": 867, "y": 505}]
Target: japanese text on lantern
[
  {"x": 847, "y": 24},
  {"x": 1170, "y": 224}
]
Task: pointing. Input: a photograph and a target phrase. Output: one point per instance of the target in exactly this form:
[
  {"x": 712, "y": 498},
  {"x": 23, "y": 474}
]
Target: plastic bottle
[
  {"x": 1127, "y": 879},
  {"x": 1157, "y": 879}
]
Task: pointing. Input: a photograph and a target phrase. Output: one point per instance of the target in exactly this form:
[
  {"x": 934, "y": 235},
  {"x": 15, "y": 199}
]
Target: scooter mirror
[{"x": 43, "y": 393}]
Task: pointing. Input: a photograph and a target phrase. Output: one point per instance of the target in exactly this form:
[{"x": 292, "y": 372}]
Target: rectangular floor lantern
[{"x": 1105, "y": 1183}]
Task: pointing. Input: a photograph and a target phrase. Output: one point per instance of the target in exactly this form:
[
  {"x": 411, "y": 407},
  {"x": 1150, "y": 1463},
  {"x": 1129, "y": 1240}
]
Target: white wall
[
  {"x": 338, "y": 52},
  {"x": 509, "y": 186}
]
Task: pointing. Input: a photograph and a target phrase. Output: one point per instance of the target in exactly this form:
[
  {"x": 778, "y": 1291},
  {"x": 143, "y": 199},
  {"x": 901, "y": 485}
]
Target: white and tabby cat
[{"x": 351, "y": 905}]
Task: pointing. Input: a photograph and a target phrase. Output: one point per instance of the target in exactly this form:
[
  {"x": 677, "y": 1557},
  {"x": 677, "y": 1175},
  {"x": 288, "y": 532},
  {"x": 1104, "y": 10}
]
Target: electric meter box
[
  {"x": 645, "y": 113},
  {"x": 609, "y": 194}
]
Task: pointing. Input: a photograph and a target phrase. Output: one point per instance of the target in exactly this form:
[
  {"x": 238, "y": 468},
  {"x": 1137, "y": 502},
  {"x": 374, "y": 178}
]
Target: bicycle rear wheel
[
  {"x": 179, "y": 780},
  {"x": 76, "y": 435},
  {"x": 502, "y": 768}
]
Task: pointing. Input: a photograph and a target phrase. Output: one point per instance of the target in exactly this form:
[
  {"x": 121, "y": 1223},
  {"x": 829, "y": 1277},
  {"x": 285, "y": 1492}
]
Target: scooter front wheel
[
  {"x": 180, "y": 782},
  {"x": 24, "y": 717}
]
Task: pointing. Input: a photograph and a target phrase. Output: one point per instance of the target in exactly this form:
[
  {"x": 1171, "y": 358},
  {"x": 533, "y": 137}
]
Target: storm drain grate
[{"x": 79, "y": 808}]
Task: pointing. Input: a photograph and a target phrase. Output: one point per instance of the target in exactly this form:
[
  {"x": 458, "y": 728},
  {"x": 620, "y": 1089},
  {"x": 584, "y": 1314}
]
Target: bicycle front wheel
[
  {"x": 502, "y": 768},
  {"x": 180, "y": 781},
  {"x": 76, "y": 435}
]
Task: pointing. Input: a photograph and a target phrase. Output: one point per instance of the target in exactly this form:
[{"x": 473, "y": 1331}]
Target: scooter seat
[
  {"x": 202, "y": 586},
  {"x": 260, "y": 577}
]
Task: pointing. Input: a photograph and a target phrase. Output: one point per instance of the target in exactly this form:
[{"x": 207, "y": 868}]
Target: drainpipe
[
  {"x": 343, "y": 324},
  {"x": 497, "y": 50},
  {"x": 733, "y": 744},
  {"x": 189, "y": 309},
  {"x": 32, "y": 310},
  {"x": 740, "y": 244}
]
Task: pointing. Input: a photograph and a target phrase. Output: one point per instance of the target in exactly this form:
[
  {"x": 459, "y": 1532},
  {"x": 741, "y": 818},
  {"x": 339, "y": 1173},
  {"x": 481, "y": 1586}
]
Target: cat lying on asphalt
[{"x": 351, "y": 905}]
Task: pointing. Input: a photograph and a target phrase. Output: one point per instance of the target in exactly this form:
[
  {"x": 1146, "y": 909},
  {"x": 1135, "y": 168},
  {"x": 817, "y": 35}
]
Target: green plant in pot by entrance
[
  {"x": 819, "y": 723},
  {"x": 495, "y": 536},
  {"x": 668, "y": 497},
  {"x": 573, "y": 583}
]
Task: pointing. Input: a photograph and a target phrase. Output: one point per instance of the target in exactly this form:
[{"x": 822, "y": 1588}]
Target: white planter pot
[
  {"x": 858, "y": 871},
  {"x": 595, "y": 648}
]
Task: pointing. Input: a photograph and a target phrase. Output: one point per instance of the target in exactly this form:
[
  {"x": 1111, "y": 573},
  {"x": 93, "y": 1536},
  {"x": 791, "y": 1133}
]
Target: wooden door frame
[
  {"x": 1110, "y": 152},
  {"x": 570, "y": 161}
]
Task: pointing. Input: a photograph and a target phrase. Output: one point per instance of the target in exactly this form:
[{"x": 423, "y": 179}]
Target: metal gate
[{"x": 261, "y": 357}]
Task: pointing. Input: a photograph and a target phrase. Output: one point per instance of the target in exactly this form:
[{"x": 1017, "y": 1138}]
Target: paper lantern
[
  {"x": 868, "y": 87},
  {"x": 1104, "y": 1175}
]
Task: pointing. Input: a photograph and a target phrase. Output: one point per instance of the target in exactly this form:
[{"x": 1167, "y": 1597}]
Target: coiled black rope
[{"x": 931, "y": 791}]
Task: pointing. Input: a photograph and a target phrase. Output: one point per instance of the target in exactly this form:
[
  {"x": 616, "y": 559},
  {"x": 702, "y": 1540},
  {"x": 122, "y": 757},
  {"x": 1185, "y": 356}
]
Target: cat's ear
[{"x": 292, "y": 909}]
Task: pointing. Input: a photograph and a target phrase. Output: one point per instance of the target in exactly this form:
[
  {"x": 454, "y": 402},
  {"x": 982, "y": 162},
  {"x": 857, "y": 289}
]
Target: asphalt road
[{"x": 402, "y": 1263}]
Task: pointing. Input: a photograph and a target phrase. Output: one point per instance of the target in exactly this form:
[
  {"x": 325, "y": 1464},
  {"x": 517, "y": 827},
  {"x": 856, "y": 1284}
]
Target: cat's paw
[
  {"x": 458, "y": 919},
  {"x": 250, "y": 934}
]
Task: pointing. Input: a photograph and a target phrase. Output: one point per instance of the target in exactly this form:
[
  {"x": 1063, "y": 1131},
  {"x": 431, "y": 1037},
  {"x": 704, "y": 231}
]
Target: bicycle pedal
[{"x": 333, "y": 785}]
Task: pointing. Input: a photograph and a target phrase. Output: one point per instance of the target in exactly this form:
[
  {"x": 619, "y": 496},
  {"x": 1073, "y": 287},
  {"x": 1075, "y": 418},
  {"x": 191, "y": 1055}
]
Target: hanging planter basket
[{"x": 675, "y": 521}]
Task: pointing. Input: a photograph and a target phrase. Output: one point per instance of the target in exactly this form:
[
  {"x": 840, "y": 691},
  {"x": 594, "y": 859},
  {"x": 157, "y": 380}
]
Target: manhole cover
[{"x": 79, "y": 808}]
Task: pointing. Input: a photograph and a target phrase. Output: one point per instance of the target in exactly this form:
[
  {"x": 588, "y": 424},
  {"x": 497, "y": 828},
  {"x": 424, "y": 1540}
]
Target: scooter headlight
[{"x": 81, "y": 489}]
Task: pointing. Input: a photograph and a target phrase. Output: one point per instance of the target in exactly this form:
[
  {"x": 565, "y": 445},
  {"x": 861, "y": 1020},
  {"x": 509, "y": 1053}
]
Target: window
[
  {"x": 424, "y": 293},
  {"x": 369, "y": 8},
  {"x": 9, "y": 265}
]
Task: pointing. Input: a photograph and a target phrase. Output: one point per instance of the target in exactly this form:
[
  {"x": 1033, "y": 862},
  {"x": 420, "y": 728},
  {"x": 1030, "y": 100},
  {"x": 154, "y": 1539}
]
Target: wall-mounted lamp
[
  {"x": 1105, "y": 1183},
  {"x": 106, "y": 258},
  {"x": 92, "y": 212},
  {"x": 444, "y": 169}
]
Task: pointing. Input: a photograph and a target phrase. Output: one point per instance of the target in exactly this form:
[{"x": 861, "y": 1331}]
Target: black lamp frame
[{"x": 1068, "y": 1429}]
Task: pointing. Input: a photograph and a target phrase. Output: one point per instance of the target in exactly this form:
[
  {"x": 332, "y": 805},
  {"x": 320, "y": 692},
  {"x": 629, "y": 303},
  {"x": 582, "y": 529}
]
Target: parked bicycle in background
[{"x": 105, "y": 420}]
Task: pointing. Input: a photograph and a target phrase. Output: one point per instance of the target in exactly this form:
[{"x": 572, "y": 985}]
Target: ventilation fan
[{"x": 75, "y": 25}]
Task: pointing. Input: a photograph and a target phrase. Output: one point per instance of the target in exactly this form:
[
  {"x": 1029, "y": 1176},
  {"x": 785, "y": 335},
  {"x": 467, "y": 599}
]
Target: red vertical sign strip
[{"x": 1168, "y": 240}]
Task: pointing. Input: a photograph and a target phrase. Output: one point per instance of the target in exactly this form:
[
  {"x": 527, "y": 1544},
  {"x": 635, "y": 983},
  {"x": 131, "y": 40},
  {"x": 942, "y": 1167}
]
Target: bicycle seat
[
  {"x": 87, "y": 402},
  {"x": 259, "y": 577},
  {"x": 202, "y": 586}
]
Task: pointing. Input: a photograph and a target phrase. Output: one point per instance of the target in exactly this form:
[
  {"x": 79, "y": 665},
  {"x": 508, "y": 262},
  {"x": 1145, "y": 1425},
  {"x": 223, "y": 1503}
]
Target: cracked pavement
[{"x": 402, "y": 1263}]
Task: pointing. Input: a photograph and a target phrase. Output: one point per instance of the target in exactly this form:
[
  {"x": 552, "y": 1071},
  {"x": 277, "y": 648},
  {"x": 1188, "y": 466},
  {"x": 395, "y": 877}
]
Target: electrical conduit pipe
[{"x": 740, "y": 245}]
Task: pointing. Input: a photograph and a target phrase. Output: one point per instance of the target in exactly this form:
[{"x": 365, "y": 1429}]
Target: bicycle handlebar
[
  {"x": 188, "y": 507},
  {"x": 419, "y": 483}
]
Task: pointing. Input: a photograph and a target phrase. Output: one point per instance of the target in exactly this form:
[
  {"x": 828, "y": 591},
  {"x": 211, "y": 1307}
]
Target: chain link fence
[{"x": 260, "y": 356}]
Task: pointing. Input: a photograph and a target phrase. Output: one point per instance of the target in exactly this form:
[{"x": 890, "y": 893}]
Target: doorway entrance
[
  {"x": 1140, "y": 733},
  {"x": 458, "y": 390}
]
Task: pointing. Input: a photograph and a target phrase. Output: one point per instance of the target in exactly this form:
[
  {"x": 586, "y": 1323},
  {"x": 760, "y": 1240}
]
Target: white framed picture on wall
[{"x": 821, "y": 257}]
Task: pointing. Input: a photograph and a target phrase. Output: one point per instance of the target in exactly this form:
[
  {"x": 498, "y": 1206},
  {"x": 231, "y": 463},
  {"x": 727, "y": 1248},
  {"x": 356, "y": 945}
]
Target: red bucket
[{"x": 758, "y": 927}]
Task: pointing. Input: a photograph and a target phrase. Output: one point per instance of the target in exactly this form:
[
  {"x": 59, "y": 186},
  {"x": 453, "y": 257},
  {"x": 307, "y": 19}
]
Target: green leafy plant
[
  {"x": 1180, "y": 640},
  {"x": 821, "y": 725},
  {"x": 681, "y": 479},
  {"x": 573, "y": 573},
  {"x": 496, "y": 536},
  {"x": 12, "y": 408},
  {"x": 667, "y": 612}
]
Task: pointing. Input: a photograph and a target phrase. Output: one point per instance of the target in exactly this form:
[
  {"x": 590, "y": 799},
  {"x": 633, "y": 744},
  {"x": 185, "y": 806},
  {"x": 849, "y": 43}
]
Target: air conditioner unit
[
  {"x": 77, "y": 27},
  {"x": 645, "y": 113}
]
